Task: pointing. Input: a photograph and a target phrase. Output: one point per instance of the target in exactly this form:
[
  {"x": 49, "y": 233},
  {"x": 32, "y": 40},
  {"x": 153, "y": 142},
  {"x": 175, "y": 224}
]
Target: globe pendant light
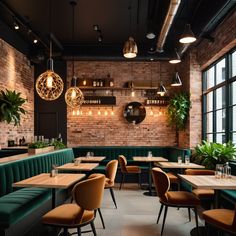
[
  {"x": 49, "y": 84},
  {"x": 176, "y": 81},
  {"x": 187, "y": 36},
  {"x": 130, "y": 49},
  {"x": 74, "y": 96}
]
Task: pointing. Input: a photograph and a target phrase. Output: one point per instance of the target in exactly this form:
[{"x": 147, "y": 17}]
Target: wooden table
[
  {"x": 79, "y": 167},
  {"x": 61, "y": 181},
  {"x": 210, "y": 182},
  {"x": 91, "y": 159},
  {"x": 149, "y": 160},
  {"x": 175, "y": 165}
]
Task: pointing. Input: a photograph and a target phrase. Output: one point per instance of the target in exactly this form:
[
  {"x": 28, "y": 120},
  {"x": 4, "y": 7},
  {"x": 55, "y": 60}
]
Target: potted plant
[
  {"x": 178, "y": 111},
  {"x": 40, "y": 147},
  {"x": 11, "y": 106},
  {"x": 210, "y": 154}
]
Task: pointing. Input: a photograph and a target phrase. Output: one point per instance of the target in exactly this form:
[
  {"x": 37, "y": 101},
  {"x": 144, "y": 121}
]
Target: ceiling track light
[
  {"x": 188, "y": 35},
  {"x": 176, "y": 81},
  {"x": 176, "y": 58}
]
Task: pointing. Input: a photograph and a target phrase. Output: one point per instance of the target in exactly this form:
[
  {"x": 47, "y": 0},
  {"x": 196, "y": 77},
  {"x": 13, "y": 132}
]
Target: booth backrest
[
  {"x": 21, "y": 169},
  {"x": 112, "y": 152}
]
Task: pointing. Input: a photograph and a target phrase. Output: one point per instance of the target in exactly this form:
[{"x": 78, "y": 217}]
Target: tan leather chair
[
  {"x": 111, "y": 169},
  {"x": 128, "y": 170},
  {"x": 223, "y": 219},
  {"x": 174, "y": 179},
  {"x": 87, "y": 195},
  {"x": 202, "y": 194},
  {"x": 172, "y": 198}
]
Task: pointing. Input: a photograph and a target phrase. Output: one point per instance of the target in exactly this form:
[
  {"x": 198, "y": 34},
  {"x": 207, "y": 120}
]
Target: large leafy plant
[
  {"x": 10, "y": 106},
  {"x": 209, "y": 154},
  {"x": 178, "y": 110}
]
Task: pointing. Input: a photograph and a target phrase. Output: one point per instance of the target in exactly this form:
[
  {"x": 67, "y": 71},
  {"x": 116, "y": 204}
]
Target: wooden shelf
[{"x": 115, "y": 88}]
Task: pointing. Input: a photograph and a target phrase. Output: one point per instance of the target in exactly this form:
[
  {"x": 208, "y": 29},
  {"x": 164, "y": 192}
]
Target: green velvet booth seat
[
  {"x": 18, "y": 203},
  {"x": 112, "y": 152}
]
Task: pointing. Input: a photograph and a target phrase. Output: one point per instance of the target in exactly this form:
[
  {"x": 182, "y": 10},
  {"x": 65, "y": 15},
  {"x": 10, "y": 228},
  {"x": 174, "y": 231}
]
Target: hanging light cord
[
  {"x": 73, "y": 3},
  {"x": 50, "y": 60}
]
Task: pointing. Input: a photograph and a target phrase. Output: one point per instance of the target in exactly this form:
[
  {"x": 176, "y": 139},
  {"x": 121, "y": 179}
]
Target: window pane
[
  {"x": 220, "y": 71},
  {"x": 220, "y": 138},
  {"x": 209, "y": 101},
  {"x": 209, "y": 122},
  {"x": 220, "y": 98},
  {"x": 233, "y": 93},
  {"x": 234, "y": 119},
  {"x": 210, "y": 77},
  {"x": 210, "y": 137},
  {"x": 234, "y": 138},
  {"x": 220, "y": 120},
  {"x": 234, "y": 64}
]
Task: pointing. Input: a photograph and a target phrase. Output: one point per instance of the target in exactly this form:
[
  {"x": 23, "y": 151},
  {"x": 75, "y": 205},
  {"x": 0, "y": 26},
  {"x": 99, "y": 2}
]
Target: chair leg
[
  {"x": 79, "y": 231},
  {"x": 159, "y": 214},
  {"x": 65, "y": 232},
  {"x": 93, "y": 228},
  {"x": 164, "y": 220},
  {"x": 139, "y": 180},
  {"x": 122, "y": 179},
  {"x": 196, "y": 218},
  {"x": 113, "y": 196},
  {"x": 189, "y": 214},
  {"x": 100, "y": 214}
]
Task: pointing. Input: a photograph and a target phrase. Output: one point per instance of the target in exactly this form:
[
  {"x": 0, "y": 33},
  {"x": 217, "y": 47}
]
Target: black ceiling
[{"x": 113, "y": 18}]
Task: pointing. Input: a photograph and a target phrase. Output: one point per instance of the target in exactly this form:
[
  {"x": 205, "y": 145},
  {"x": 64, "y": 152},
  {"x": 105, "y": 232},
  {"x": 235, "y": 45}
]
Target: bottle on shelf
[
  {"x": 97, "y": 83},
  {"x": 101, "y": 83},
  {"x": 94, "y": 83}
]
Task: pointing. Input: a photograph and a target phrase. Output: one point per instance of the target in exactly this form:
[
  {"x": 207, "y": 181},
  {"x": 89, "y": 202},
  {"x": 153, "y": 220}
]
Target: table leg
[
  {"x": 54, "y": 198},
  {"x": 217, "y": 199},
  {"x": 150, "y": 193}
]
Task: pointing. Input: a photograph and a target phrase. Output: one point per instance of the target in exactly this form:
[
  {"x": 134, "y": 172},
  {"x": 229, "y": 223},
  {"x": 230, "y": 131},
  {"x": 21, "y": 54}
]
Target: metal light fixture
[
  {"x": 49, "y": 84},
  {"x": 130, "y": 49},
  {"x": 161, "y": 90},
  {"x": 188, "y": 35},
  {"x": 74, "y": 96},
  {"x": 150, "y": 34},
  {"x": 176, "y": 58},
  {"x": 176, "y": 81}
]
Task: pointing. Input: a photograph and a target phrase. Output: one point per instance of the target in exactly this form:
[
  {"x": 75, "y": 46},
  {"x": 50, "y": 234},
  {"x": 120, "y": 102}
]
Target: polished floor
[{"x": 137, "y": 214}]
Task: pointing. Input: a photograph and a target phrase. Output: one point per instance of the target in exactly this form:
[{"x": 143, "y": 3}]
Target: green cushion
[
  {"x": 14, "y": 206},
  {"x": 229, "y": 194}
]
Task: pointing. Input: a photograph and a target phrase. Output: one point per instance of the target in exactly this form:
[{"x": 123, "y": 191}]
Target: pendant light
[
  {"x": 49, "y": 85},
  {"x": 175, "y": 58},
  {"x": 74, "y": 96},
  {"x": 161, "y": 90},
  {"x": 176, "y": 81},
  {"x": 188, "y": 35},
  {"x": 130, "y": 49}
]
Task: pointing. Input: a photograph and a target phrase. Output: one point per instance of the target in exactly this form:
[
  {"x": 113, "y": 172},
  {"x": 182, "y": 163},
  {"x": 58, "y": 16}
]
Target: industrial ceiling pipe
[{"x": 173, "y": 7}]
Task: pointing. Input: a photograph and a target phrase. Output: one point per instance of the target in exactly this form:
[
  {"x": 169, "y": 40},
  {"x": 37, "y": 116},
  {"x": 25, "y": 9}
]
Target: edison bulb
[
  {"x": 49, "y": 81},
  {"x": 73, "y": 94}
]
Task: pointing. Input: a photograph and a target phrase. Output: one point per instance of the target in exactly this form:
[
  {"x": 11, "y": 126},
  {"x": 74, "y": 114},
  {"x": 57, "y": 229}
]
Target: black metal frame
[{"x": 228, "y": 96}]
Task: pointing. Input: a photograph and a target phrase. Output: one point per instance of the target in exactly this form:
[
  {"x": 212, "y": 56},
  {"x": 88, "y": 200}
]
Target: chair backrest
[
  {"x": 111, "y": 169},
  {"x": 88, "y": 193},
  {"x": 161, "y": 181},
  {"x": 199, "y": 172},
  {"x": 234, "y": 220},
  {"x": 123, "y": 163}
]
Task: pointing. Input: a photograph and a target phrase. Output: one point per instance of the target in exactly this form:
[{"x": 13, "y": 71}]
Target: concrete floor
[{"x": 137, "y": 214}]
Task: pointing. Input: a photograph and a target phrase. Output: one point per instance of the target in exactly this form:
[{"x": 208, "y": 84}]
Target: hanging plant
[
  {"x": 10, "y": 106},
  {"x": 178, "y": 110}
]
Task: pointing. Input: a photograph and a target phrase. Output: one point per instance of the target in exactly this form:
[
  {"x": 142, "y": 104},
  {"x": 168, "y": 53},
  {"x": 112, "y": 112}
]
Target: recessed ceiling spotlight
[
  {"x": 150, "y": 35},
  {"x": 100, "y": 38},
  {"x": 16, "y": 26},
  {"x": 151, "y": 59},
  {"x": 35, "y": 41},
  {"x": 95, "y": 27}
]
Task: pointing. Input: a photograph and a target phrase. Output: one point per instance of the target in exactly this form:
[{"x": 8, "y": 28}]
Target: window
[{"x": 219, "y": 100}]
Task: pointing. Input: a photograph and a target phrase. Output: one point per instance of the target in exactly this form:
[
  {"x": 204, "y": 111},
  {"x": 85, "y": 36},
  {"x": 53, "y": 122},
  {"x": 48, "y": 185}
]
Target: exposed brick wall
[
  {"x": 115, "y": 130},
  {"x": 17, "y": 74}
]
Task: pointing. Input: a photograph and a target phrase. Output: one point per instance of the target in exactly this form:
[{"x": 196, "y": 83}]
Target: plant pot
[{"x": 34, "y": 151}]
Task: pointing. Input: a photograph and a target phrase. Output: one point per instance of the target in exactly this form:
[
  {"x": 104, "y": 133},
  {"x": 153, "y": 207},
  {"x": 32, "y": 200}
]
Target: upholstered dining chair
[
  {"x": 205, "y": 195},
  {"x": 222, "y": 219},
  {"x": 168, "y": 198},
  {"x": 111, "y": 169},
  {"x": 125, "y": 170},
  {"x": 87, "y": 195}
]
